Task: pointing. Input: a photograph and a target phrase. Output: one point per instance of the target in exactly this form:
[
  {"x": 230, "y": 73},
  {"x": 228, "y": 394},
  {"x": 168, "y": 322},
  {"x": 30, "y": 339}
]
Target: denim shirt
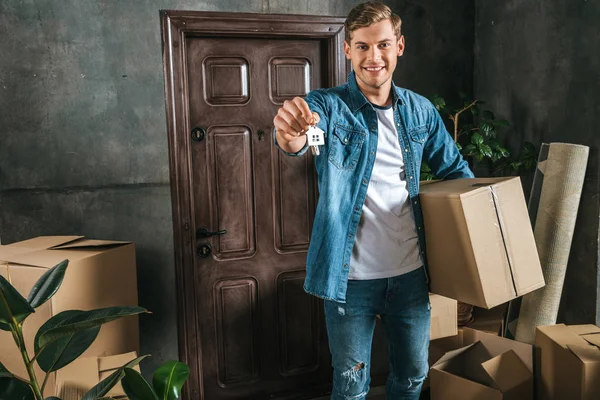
[{"x": 344, "y": 169}]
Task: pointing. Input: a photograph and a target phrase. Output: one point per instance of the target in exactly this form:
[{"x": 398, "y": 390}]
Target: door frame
[{"x": 176, "y": 27}]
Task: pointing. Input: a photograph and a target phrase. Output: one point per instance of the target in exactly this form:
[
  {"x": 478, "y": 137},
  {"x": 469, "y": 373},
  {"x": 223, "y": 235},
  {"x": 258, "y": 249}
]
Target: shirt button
[
  {"x": 357, "y": 208},
  {"x": 345, "y": 265},
  {"x": 372, "y": 152},
  {"x": 406, "y": 150},
  {"x": 345, "y": 140},
  {"x": 410, "y": 177},
  {"x": 419, "y": 228},
  {"x": 398, "y": 124},
  {"x": 365, "y": 181},
  {"x": 415, "y": 202},
  {"x": 350, "y": 236}
]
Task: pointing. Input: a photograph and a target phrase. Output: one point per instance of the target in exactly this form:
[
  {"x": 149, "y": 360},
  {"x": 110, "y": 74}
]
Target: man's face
[{"x": 373, "y": 51}]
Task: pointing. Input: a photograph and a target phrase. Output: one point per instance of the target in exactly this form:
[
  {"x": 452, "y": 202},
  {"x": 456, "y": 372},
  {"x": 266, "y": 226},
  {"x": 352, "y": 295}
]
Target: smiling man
[{"x": 367, "y": 250}]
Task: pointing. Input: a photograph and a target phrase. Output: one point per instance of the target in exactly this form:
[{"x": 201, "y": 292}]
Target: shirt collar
[{"x": 358, "y": 99}]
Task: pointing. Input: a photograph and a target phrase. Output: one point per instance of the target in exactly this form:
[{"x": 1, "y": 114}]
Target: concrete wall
[
  {"x": 83, "y": 145},
  {"x": 536, "y": 64}
]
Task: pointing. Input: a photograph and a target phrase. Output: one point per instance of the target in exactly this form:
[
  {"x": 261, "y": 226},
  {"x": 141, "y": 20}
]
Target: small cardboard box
[
  {"x": 74, "y": 380},
  {"x": 480, "y": 245},
  {"x": 100, "y": 274},
  {"x": 444, "y": 317},
  {"x": 488, "y": 367},
  {"x": 567, "y": 362}
]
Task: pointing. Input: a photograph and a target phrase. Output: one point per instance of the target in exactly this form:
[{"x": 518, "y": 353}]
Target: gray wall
[
  {"x": 83, "y": 147},
  {"x": 537, "y": 63}
]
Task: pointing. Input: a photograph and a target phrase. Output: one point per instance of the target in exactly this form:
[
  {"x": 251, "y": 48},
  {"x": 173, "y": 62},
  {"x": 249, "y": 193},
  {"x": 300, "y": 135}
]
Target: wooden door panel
[
  {"x": 294, "y": 202},
  {"x": 230, "y": 187},
  {"x": 255, "y": 333}
]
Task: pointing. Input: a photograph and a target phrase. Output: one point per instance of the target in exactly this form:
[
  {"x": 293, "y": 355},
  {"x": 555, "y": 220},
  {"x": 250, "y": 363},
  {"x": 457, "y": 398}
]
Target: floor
[{"x": 378, "y": 393}]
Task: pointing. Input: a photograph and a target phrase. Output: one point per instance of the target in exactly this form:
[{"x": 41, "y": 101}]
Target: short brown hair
[{"x": 367, "y": 14}]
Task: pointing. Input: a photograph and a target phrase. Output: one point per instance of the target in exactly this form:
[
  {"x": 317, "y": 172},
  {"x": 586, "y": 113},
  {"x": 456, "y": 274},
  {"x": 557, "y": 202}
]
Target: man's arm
[{"x": 441, "y": 152}]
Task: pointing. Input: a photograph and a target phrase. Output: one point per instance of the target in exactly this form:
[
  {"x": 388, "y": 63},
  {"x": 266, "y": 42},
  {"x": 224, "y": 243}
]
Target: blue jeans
[{"x": 403, "y": 304}]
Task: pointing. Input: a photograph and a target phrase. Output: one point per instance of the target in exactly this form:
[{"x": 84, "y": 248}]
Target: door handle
[{"x": 204, "y": 233}]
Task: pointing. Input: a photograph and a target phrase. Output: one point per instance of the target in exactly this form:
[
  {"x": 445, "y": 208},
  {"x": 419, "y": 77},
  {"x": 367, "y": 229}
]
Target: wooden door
[{"x": 242, "y": 210}]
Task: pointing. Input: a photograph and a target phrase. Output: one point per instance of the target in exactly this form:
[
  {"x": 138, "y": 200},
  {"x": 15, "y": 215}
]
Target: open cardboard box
[
  {"x": 101, "y": 273},
  {"x": 487, "y": 367},
  {"x": 568, "y": 362},
  {"x": 480, "y": 244}
]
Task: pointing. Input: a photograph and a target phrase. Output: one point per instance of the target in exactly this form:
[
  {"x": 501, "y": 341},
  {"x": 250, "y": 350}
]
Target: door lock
[{"x": 204, "y": 250}]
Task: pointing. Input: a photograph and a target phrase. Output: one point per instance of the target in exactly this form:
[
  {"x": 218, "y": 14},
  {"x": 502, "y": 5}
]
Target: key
[{"x": 316, "y": 138}]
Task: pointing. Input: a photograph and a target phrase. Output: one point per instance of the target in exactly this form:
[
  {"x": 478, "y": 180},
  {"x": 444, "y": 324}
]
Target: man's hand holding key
[{"x": 292, "y": 122}]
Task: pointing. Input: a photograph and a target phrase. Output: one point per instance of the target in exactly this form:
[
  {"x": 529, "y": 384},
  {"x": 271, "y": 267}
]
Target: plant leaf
[
  {"x": 502, "y": 122},
  {"x": 476, "y": 139},
  {"x": 169, "y": 378},
  {"x": 108, "y": 383},
  {"x": 12, "y": 387},
  {"x": 469, "y": 149},
  {"x": 12, "y": 304},
  {"x": 65, "y": 350},
  {"x": 438, "y": 102},
  {"x": 136, "y": 387},
  {"x": 486, "y": 127},
  {"x": 84, "y": 320},
  {"x": 47, "y": 285},
  {"x": 425, "y": 167},
  {"x": 485, "y": 150}
]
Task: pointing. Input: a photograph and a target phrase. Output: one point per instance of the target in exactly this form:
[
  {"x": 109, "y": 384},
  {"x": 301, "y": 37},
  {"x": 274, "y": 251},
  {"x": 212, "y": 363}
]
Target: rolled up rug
[{"x": 564, "y": 174}]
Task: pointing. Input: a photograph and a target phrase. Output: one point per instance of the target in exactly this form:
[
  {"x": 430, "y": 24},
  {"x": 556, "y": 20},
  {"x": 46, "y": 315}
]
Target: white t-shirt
[{"x": 386, "y": 243}]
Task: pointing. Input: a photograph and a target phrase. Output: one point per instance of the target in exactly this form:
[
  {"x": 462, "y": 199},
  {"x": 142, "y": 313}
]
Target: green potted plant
[
  {"x": 476, "y": 134},
  {"x": 64, "y": 337}
]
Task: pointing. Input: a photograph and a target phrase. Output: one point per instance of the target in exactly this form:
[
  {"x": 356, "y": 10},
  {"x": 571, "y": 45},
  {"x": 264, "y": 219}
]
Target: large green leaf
[
  {"x": 47, "y": 285},
  {"x": 65, "y": 350},
  {"x": 108, "y": 383},
  {"x": 84, "y": 320},
  {"x": 136, "y": 387},
  {"x": 12, "y": 387},
  {"x": 169, "y": 378},
  {"x": 12, "y": 305}
]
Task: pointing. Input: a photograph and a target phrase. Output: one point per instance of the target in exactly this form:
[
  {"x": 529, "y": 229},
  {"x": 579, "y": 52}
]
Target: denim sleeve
[
  {"x": 316, "y": 102},
  {"x": 441, "y": 152}
]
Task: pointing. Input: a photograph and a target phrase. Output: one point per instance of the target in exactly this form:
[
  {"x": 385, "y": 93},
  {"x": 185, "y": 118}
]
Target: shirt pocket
[
  {"x": 345, "y": 146},
  {"x": 418, "y": 135}
]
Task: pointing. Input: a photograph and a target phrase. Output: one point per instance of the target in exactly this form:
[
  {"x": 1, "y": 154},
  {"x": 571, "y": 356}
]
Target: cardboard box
[
  {"x": 489, "y": 321},
  {"x": 488, "y": 367},
  {"x": 568, "y": 362},
  {"x": 74, "y": 380},
  {"x": 480, "y": 245},
  {"x": 100, "y": 274},
  {"x": 443, "y": 317}
]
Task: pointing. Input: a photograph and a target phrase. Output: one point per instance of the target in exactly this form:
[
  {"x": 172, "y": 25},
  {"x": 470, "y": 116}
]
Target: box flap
[
  {"x": 498, "y": 345},
  {"x": 113, "y": 362},
  {"x": 451, "y": 354},
  {"x": 563, "y": 335},
  {"x": 83, "y": 243},
  {"x": 592, "y": 338},
  {"x": 45, "y": 242},
  {"x": 587, "y": 354},
  {"x": 507, "y": 371},
  {"x": 584, "y": 329},
  {"x": 460, "y": 187}
]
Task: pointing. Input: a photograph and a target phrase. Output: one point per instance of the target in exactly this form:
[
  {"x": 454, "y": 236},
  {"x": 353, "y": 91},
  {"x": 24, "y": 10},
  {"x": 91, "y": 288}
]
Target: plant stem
[
  {"x": 28, "y": 364},
  {"x": 454, "y": 118}
]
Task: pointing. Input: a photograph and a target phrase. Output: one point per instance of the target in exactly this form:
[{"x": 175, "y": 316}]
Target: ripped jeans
[{"x": 403, "y": 304}]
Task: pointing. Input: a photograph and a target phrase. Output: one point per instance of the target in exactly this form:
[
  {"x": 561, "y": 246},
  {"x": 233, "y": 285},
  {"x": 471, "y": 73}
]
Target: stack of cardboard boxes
[
  {"x": 481, "y": 251},
  {"x": 100, "y": 274}
]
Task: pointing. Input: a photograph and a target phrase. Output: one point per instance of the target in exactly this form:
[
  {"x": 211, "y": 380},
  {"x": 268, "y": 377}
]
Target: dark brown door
[{"x": 256, "y": 334}]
